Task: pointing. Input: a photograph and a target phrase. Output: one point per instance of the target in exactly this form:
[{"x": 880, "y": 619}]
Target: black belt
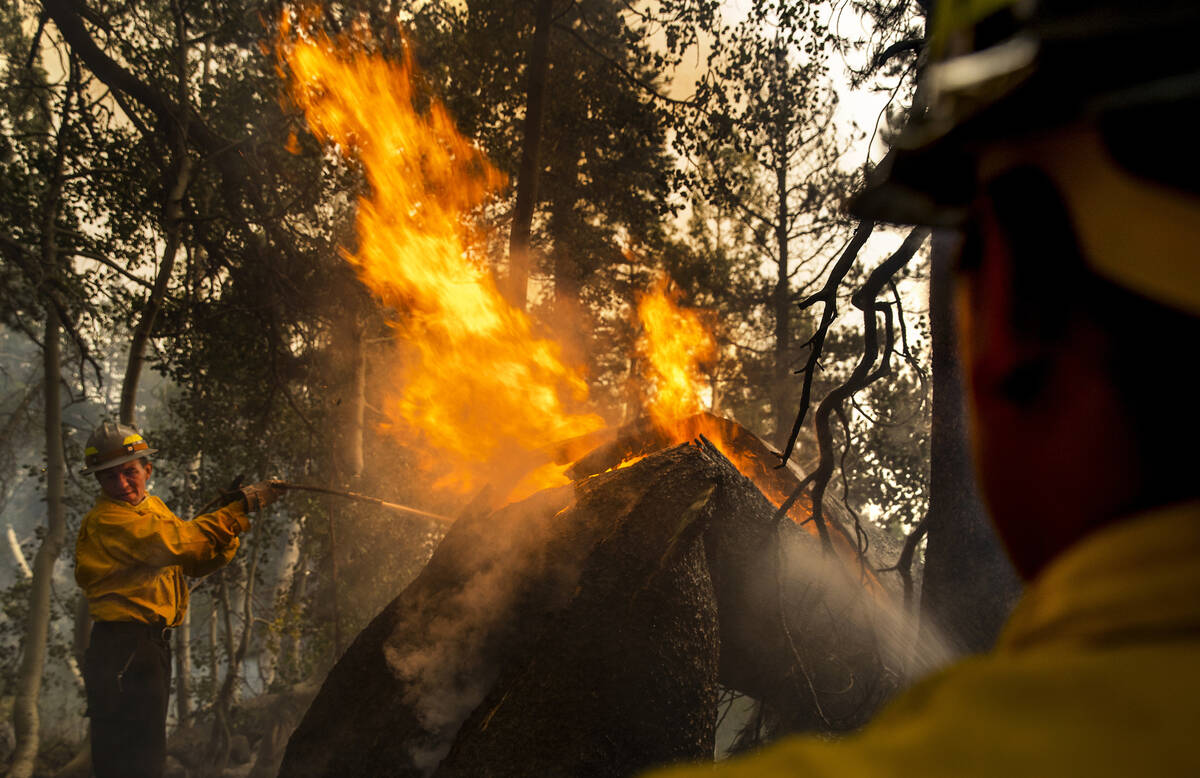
[{"x": 157, "y": 631}]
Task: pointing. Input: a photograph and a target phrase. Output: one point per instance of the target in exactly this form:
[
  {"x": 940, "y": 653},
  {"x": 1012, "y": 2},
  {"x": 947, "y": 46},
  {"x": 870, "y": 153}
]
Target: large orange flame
[
  {"x": 476, "y": 388},
  {"x": 476, "y": 385}
]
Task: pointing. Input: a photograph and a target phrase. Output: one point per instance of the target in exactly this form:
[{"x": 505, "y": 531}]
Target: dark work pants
[{"x": 127, "y": 673}]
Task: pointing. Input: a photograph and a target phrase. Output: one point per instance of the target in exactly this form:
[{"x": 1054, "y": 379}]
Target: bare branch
[
  {"x": 828, "y": 296},
  {"x": 906, "y": 46},
  {"x": 862, "y": 376}
]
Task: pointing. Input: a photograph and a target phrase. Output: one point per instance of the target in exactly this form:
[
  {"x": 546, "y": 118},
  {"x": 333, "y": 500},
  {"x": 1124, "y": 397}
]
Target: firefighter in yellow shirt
[
  {"x": 131, "y": 559},
  {"x": 1058, "y": 137}
]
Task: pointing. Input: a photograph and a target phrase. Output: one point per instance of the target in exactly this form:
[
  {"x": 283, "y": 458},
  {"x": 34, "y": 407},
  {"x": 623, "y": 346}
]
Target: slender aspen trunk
[
  {"x": 173, "y": 226},
  {"x": 272, "y": 658},
  {"x": 172, "y": 223},
  {"x": 297, "y": 593},
  {"x": 33, "y": 655},
  {"x": 214, "y": 658},
  {"x": 26, "y": 723}
]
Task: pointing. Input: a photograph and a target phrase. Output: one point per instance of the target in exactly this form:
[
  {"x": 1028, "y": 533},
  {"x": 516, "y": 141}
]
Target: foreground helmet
[
  {"x": 1114, "y": 81},
  {"x": 113, "y": 444}
]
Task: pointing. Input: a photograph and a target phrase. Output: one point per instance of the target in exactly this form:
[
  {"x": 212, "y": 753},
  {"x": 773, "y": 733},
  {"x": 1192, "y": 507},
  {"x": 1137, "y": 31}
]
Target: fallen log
[{"x": 584, "y": 631}]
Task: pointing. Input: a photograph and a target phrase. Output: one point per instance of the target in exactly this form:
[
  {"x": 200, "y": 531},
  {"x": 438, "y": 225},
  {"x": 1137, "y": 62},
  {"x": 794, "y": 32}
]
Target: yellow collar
[
  {"x": 145, "y": 503},
  {"x": 1133, "y": 579}
]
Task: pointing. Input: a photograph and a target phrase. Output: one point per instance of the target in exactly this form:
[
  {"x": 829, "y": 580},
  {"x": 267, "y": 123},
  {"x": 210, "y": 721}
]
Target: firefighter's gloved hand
[{"x": 259, "y": 495}]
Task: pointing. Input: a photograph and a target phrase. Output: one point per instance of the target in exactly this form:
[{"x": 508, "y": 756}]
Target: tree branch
[
  {"x": 827, "y": 295},
  {"x": 862, "y": 376}
]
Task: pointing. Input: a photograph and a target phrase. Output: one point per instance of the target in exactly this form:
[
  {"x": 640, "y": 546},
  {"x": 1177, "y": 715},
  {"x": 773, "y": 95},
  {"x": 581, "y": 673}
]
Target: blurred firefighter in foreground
[
  {"x": 130, "y": 560},
  {"x": 1058, "y": 139}
]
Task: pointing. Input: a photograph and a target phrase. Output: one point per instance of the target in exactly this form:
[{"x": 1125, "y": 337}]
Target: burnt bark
[
  {"x": 500, "y": 586},
  {"x": 26, "y": 722},
  {"x": 624, "y": 677}
]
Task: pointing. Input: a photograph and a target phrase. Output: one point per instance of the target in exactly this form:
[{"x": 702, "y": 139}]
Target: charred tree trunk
[
  {"x": 499, "y": 586},
  {"x": 969, "y": 586},
  {"x": 624, "y": 677}
]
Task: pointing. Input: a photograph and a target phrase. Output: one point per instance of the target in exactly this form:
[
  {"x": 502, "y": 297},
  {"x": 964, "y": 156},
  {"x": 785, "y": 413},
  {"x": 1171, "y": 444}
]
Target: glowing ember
[
  {"x": 675, "y": 343},
  {"x": 476, "y": 385}
]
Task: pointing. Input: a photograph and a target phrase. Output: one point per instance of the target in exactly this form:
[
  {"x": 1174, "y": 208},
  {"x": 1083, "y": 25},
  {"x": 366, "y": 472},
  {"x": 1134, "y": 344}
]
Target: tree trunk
[
  {"x": 33, "y": 656},
  {"x": 173, "y": 226},
  {"x": 236, "y": 646},
  {"x": 782, "y": 409},
  {"x": 527, "y": 175},
  {"x": 183, "y": 670},
  {"x": 273, "y": 656},
  {"x": 26, "y": 723},
  {"x": 291, "y": 646},
  {"x": 181, "y": 173},
  {"x": 969, "y": 586},
  {"x": 357, "y": 413},
  {"x": 331, "y": 512},
  {"x": 569, "y": 276},
  {"x": 214, "y": 654}
]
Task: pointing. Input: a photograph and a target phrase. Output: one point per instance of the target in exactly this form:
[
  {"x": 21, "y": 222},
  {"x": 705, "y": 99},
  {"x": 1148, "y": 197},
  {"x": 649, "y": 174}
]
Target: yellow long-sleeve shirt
[
  {"x": 1097, "y": 673},
  {"x": 130, "y": 560}
]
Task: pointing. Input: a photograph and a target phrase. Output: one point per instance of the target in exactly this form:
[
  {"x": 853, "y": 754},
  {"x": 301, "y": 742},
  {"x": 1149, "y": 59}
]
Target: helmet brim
[
  {"x": 930, "y": 176},
  {"x": 121, "y": 460}
]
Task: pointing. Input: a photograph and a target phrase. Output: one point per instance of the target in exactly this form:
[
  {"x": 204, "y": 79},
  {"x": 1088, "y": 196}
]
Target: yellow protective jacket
[
  {"x": 130, "y": 560},
  {"x": 1097, "y": 673}
]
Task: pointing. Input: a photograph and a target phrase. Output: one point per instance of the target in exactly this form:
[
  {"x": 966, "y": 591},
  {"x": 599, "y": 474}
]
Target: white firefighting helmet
[{"x": 113, "y": 444}]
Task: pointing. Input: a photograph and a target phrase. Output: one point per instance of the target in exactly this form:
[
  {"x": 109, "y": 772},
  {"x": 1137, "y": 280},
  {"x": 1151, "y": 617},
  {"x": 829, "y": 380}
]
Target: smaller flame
[{"x": 676, "y": 344}]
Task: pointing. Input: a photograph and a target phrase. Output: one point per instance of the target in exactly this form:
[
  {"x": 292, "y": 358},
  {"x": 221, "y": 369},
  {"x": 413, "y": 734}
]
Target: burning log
[
  {"x": 585, "y": 630},
  {"x": 582, "y": 630},
  {"x": 625, "y": 675}
]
